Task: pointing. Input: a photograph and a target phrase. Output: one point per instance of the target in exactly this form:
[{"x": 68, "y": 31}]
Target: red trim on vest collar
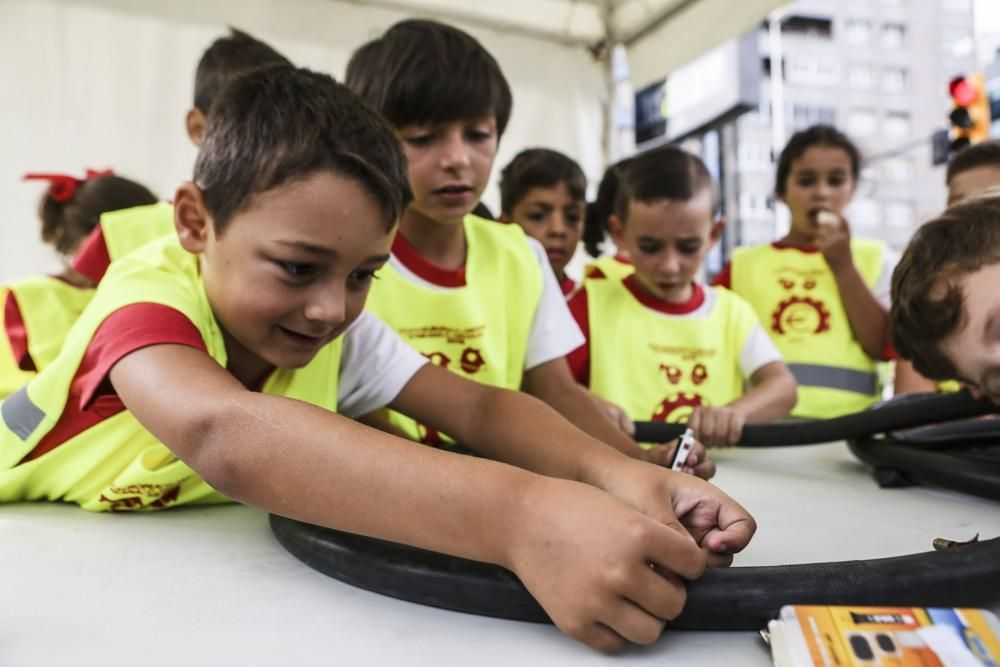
[
  {"x": 668, "y": 307},
  {"x": 430, "y": 272},
  {"x": 808, "y": 249}
]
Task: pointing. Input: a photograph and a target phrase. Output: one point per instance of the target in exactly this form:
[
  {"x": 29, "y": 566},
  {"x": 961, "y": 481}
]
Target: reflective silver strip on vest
[
  {"x": 834, "y": 377},
  {"x": 21, "y": 415}
]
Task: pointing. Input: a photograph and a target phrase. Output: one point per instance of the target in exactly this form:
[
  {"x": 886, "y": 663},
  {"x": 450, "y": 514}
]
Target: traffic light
[{"x": 970, "y": 114}]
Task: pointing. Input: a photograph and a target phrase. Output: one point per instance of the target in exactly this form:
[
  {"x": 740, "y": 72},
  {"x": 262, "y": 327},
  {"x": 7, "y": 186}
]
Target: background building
[{"x": 878, "y": 70}]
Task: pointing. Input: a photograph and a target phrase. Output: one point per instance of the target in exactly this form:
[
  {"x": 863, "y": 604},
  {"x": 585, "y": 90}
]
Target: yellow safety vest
[
  {"x": 117, "y": 464},
  {"x": 11, "y": 376},
  {"x": 660, "y": 368},
  {"x": 949, "y": 386},
  {"x": 609, "y": 267},
  {"x": 131, "y": 228},
  {"x": 796, "y": 298},
  {"x": 479, "y": 330},
  {"x": 50, "y": 306}
]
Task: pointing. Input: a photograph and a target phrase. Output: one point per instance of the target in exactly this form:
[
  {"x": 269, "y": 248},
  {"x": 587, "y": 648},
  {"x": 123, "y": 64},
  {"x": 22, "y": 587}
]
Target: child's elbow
[{"x": 212, "y": 450}]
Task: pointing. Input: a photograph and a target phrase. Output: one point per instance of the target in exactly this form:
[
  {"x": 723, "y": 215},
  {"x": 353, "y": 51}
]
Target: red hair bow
[{"x": 62, "y": 187}]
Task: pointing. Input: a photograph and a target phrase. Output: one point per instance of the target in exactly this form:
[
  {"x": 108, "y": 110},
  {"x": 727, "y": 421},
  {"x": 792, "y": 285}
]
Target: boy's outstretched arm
[
  {"x": 553, "y": 383},
  {"x": 516, "y": 428},
  {"x": 584, "y": 555},
  {"x": 772, "y": 396}
]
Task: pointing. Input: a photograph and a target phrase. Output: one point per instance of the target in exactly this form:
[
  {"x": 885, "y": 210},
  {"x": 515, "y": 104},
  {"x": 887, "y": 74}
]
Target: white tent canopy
[
  {"x": 659, "y": 34},
  {"x": 106, "y": 83}
]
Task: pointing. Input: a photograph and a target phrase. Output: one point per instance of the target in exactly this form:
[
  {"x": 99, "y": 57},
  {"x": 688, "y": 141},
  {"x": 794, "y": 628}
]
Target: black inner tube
[
  {"x": 738, "y": 598},
  {"x": 905, "y": 412},
  {"x": 975, "y": 470}
]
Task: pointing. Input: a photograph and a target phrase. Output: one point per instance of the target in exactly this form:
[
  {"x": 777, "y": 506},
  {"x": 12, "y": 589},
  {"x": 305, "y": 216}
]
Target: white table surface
[{"x": 212, "y": 586}]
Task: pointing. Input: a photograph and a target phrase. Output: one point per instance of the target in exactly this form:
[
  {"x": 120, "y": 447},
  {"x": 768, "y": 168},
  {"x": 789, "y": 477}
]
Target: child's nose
[
  {"x": 557, "y": 225},
  {"x": 670, "y": 262},
  {"x": 454, "y": 152},
  {"x": 326, "y": 306}
]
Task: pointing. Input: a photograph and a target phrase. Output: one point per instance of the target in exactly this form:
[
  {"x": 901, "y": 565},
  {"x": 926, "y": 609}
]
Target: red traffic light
[{"x": 962, "y": 91}]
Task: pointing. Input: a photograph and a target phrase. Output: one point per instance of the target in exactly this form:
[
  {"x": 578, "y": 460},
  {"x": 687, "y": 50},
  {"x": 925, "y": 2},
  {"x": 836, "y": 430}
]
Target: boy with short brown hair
[{"x": 945, "y": 313}]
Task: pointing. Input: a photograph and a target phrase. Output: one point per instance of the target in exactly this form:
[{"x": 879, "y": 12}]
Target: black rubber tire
[
  {"x": 975, "y": 471},
  {"x": 739, "y": 598},
  {"x": 902, "y": 413}
]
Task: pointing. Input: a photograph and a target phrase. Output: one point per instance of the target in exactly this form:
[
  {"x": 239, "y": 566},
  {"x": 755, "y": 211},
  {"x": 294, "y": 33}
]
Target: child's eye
[
  {"x": 806, "y": 181},
  {"x": 537, "y": 216},
  {"x": 650, "y": 248},
  {"x": 297, "y": 269},
  {"x": 688, "y": 248},
  {"x": 362, "y": 278},
  {"x": 479, "y": 135},
  {"x": 837, "y": 181},
  {"x": 420, "y": 139}
]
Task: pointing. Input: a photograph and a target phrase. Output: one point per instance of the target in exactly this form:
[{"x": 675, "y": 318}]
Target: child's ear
[
  {"x": 191, "y": 220},
  {"x": 617, "y": 229},
  {"x": 195, "y": 123},
  {"x": 716, "y": 232}
]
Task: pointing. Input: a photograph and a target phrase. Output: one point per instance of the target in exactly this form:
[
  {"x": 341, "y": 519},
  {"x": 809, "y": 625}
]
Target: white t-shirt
[
  {"x": 375, "y": 365},
  {"x": 554, "y": 332}
]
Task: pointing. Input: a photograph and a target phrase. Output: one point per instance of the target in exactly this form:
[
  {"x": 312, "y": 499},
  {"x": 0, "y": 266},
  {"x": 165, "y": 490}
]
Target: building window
[
  {"x": 893, "y": 35},
  {"x": 899, "y": 216},
  {"x": 895, "y": 79},
  {"x": 861, "y": 76},
  {"x": 957, "y": 43},
  {"x": 813, "y": 71},
  {"x": 808, "y": 26},
  {"x": 898, "y": 170},
  {"x": 861, "y": 122},
  {"x": 805, "y": 115},
  {"x": 858, "y": 31},
  {"x": 897, "y": 124}
]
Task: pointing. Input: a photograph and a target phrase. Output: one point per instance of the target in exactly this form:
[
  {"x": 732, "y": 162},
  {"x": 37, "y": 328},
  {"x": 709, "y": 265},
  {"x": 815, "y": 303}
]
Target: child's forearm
[
  {"x": 318, "y": 467},
  {"x": 868, "y": 318},
  {"x": 301, "y": 461},
  {"x": 772, "y": 396},
  {"x": 530, "y": 434},
  {"x": 509, "y": 426},
  {"x": 558, "y": 390}
]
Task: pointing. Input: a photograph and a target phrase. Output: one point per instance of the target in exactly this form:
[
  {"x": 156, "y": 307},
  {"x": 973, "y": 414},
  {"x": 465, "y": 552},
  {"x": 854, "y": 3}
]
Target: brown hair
[
  {"x": 928, "y": 304},
  {"x": 226, "y": 59},
  {"x": 66, "y": 223},
  {"x": 986, "y": 154},
  {"x": 539, "y": 168},
  {"x": 817, "y": 135},
  {"x": 662, "y": 173},
  {"x": 423, "y": 71},
  {"x": 280, "y": 124}
]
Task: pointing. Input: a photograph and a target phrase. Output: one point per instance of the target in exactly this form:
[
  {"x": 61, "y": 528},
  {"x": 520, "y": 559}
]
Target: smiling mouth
[{"x": 304, "y": 340}]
